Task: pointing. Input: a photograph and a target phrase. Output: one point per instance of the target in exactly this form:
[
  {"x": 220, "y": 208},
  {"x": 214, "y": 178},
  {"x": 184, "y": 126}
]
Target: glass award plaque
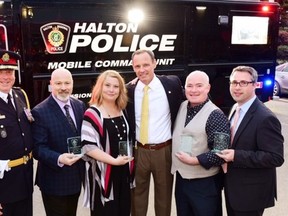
[
  {"x": 125, "y": 148},
  {"x": 221, "y": 141},
  {"x": 186, "y": 144},
  {"x": 74, "y": 145}
]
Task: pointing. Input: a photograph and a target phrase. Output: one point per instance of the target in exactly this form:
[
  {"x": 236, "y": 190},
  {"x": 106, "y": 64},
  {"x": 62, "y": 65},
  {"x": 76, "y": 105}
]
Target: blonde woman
[{"x": 106, "y": 140}]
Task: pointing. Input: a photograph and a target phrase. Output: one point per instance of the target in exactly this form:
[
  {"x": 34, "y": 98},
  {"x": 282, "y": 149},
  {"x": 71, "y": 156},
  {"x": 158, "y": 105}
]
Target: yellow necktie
[{"x": 144, "y": 117}]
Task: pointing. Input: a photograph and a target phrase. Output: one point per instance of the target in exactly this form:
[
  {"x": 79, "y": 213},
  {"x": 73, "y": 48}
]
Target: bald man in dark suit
[{"x": 59, "y": 172}]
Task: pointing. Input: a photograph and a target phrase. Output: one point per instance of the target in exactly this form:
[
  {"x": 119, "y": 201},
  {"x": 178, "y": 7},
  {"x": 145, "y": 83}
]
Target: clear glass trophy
[
  {"x": 221, "y": 141},
  {"x": 125, "y": 148},
  {"x": 74, "y": 145},
  {"x": 186, "y": 144}
]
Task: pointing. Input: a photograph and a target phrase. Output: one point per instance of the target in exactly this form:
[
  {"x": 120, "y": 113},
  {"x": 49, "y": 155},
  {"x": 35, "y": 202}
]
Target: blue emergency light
[{"x": 268, "y": 82}]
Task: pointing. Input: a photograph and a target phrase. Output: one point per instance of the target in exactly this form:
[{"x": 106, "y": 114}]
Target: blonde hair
[{"x": 97, "y": 98}]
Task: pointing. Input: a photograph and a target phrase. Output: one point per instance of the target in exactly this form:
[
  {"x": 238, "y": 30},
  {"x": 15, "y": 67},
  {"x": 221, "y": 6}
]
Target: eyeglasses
[{"x": 242, "y": 83}]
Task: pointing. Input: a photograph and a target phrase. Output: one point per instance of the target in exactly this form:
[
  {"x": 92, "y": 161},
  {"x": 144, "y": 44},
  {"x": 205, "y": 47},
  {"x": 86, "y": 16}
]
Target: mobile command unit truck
[{"x": 90, "y": 36}]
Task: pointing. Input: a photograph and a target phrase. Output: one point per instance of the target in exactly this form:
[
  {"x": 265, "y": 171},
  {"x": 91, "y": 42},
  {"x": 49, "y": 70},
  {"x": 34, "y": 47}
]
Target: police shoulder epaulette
[
  {"x": 25, "y": 95},
  {"x": 26, "y": 98}
]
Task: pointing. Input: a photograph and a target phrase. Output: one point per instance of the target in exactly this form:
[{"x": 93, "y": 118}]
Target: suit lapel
[
  {"x": 18, "y": 103},
  {"x": 232, "y": 112},
  {"x": 4, "y": 106},
  {"x": 163, "y": 80},
  {"x": 77, "y": 113},
  {"x": 58, "y": 113},
  {"x": 245, "y": 121},
  {"x": 131, "y": 104}
]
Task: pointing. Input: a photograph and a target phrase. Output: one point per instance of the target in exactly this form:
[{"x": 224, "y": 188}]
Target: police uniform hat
[{"x": 8, "y": 60}]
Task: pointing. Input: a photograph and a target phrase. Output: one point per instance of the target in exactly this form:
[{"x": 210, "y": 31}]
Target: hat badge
[{"x": 6, "y": 57}]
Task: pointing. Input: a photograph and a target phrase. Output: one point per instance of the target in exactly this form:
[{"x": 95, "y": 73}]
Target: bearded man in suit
[{"x": 56, "y": 129}]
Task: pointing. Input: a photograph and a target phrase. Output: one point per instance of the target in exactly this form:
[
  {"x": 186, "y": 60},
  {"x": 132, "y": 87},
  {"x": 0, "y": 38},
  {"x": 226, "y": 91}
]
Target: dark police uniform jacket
[{"x": 15, "y": 142}]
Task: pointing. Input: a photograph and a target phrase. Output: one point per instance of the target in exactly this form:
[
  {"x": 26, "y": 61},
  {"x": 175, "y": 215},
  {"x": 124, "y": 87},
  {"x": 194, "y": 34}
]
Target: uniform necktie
[
  {"x": 235, "y": 122},
  {"x": 70, "y": 120},
  {"x": 144, "y": 117},
  {"x": 9, "y": 102}
]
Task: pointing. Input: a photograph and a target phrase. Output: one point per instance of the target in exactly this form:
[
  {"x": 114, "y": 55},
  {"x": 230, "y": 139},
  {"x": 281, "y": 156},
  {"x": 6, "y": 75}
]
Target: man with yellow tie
[{"x": 153, "y": 106}]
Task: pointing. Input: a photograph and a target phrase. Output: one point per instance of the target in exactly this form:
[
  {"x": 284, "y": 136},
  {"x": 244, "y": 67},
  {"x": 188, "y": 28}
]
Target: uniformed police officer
[{"x": 16, "y": 163}]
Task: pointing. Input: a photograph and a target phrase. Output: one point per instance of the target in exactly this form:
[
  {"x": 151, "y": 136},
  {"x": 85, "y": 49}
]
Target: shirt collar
[
  {"x": 246, "y": 106},
  {"x": 152, "y": 85},
  {"x": 61, "y": 103},
  {"x": 198, "y": 107},
  {"x": 4, "y": 95}
]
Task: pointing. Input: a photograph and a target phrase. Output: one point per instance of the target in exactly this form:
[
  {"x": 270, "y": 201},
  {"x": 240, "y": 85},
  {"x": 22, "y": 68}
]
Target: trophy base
[{"x": 216, "y": 151}]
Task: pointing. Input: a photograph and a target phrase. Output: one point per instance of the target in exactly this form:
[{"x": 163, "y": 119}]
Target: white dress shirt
[{"x": 159, "y": 126}]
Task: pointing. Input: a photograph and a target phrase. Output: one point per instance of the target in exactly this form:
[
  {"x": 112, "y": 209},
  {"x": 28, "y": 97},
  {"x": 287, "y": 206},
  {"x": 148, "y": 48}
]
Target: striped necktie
[{"x": 69, "y": 118}]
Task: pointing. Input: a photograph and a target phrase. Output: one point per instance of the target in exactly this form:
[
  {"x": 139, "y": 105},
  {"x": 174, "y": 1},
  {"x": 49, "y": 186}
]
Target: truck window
[{"x": 90, "y": 36}]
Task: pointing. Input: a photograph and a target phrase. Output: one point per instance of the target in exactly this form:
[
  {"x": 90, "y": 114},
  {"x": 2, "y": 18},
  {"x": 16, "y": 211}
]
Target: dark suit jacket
[
  {"x": 251, "y": 178},
  {"x": 50, "y": 132},
  {"x": 17, "y": 184},
  {"x": 173, "y": 88}
]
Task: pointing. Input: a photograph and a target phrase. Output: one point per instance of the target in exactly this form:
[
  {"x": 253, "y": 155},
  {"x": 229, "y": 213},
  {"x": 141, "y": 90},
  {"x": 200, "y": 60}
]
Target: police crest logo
[
  {"x": 9, "y": 60},
  {"x": 55, "y": 36},
  {"x": 5, "y": 57}
]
